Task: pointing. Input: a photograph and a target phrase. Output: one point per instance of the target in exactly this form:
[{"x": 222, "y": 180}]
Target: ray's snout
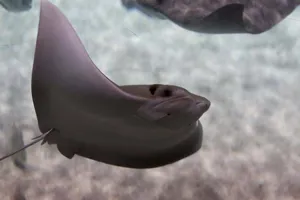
[{"x": 203, "y": 104}]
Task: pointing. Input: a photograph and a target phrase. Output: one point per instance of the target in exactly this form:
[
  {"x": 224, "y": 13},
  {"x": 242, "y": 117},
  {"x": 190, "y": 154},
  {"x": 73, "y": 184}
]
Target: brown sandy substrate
[{"x": 251, "y": 145}]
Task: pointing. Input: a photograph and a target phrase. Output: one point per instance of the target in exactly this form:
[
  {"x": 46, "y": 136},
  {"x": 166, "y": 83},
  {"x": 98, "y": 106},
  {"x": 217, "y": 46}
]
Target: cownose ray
[
  {"x": 84, "y": 113},
  {"x": 218, "y": 16}
]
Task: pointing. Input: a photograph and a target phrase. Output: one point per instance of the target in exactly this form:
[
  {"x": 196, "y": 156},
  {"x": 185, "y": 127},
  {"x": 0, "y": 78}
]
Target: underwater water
[{"x": 251, "y": 145}]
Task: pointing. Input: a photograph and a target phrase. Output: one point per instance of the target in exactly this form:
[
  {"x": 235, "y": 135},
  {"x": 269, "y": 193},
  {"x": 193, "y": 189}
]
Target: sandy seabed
[{"x": 251, "y": 148}]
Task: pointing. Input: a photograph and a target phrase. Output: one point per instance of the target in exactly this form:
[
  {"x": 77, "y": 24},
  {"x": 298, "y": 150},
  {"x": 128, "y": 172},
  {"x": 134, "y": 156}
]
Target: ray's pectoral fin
[
  {"x": 66, "y": 151},
  {"x": 67, "y": 147},
  {"x": 62, "y": 69}
]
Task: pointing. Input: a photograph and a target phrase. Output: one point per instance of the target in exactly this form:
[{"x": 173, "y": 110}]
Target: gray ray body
[
  {"x": 16, "y": 5},
  {"x": 219, "y": 16},
  {"x": 84, "y": 113}
]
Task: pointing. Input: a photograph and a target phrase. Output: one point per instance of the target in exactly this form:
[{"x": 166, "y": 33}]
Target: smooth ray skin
[
  {"x": 219, "y": 16},
  {"x": 84, "y": 113}
]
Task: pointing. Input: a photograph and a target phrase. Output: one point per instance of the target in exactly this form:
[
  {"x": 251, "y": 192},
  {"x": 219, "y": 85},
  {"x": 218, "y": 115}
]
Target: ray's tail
[{"x": 35, "y": 140}]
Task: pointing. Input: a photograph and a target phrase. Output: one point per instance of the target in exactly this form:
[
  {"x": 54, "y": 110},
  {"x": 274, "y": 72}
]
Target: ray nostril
[
  {"x": 153, "y": 88},
  {"x": 160, "y": 91}
]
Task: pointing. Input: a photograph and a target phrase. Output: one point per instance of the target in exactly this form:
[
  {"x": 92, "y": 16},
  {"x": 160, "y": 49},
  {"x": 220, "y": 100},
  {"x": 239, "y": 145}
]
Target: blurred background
[{"x": 251, "y": 147}]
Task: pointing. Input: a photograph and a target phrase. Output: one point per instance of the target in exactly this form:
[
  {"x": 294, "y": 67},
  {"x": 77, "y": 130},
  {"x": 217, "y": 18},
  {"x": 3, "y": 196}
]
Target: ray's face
[
  {"x": 16, "y": 5},
  {"x": 175, "y": 107}
]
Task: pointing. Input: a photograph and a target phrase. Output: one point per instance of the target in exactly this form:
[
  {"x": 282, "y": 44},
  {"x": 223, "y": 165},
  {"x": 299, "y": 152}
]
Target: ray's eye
[
  {"x": 159, "y": 2},
  {"x": 153, "y": 88},
  {"x": 167, "y": 93}
]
